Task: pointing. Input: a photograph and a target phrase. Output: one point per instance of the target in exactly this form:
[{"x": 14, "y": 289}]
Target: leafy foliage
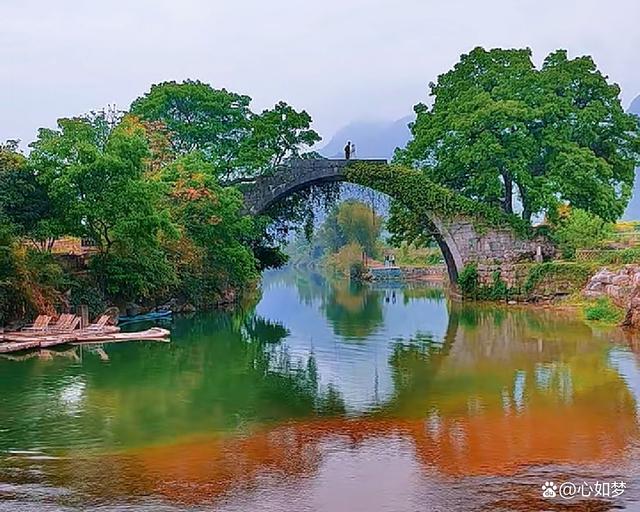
[
  {"x": 579, "y": 230},
  {"x": 346, "y": 261},
  {"x": 96, "y": 181},
  {"x": 94, "y": 174},
  {"x": 24, "y": 201},
  {"x": 618, "y": 257},
  {"x": 213, "y": 251},
  {"x": 468, "y": 281},
  {"x": 351, "y": 222},
  {"x": 603, "y": 310},
  {"x": 499, "y": 128},
  {"x": 575, "y": 274},
  {"x": 220, "y": 125},
  {"x": 422, "y": 197},
  {"x": 147, "y": 187},
  {"x": 276, "y": 135},
  {"x": 199, "y": 118}
]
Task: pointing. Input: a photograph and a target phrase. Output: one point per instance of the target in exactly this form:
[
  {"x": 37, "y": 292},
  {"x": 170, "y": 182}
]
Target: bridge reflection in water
[{"x": 475, "y": 415}]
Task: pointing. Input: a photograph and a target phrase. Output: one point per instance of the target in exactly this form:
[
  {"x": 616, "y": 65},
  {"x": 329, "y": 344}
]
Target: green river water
[{"x": 328, "y": 396}]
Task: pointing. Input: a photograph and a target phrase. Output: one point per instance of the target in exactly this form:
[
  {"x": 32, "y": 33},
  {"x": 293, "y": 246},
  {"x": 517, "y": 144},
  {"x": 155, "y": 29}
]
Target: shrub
[
  {"x": 468, "y": 281},
  {"x": 346, "y": 261},
  {"x": 128, "y": 276},
  {"x": 603, "y": 310},
  {"x": 498, "y": 290},
  {"x": 580, "y": 230},
  {"x": 568, "y": 274},
  {"x": 623, "y": 256},
  {"x": 470, "y": 287}
]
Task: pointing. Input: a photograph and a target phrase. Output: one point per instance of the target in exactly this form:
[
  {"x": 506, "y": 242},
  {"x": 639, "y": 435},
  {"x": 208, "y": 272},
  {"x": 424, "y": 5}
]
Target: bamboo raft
[{"x": 20, "y": 340}]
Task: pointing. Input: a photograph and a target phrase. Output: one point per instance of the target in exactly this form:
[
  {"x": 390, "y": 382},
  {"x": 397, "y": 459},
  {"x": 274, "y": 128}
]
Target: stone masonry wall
[
  {"x": 462, "y": 242},
  {"x": 492, "y": 250}
]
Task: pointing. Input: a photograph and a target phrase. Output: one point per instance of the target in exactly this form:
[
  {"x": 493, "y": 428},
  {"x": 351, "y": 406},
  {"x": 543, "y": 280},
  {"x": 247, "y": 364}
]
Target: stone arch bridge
[{"x": 468, "y": 232}]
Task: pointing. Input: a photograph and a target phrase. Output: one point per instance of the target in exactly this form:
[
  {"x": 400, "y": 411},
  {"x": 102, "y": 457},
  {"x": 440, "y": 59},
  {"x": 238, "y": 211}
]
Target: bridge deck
[{"x": 295, "y": 176}]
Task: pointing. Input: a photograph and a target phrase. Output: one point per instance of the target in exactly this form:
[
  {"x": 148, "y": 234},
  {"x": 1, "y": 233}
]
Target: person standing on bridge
[
  {"x": 347, "y": 151},
  {"x": 353, "y": 150}
]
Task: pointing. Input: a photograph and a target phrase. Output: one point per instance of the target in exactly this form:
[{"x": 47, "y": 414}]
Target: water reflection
[{"x": 325, "y": 383}]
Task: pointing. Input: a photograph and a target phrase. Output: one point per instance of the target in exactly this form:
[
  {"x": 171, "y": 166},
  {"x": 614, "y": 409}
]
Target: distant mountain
[
  {"x": 633, "y": 208},
  {"x": 373, "y": 139},
  {"x": 634, "y": 108},
  {"x": 380, "y": 139}
]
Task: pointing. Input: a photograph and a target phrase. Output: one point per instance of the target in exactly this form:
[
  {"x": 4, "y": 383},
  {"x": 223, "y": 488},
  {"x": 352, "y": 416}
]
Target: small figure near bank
[{"x": 347, "y": 151}]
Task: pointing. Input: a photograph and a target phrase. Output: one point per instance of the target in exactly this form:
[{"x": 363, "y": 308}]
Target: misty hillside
[
  {"x": 633, "y": 209},
  {"x": 635, "y": 106},
  {"x": 373, "y": 139}
]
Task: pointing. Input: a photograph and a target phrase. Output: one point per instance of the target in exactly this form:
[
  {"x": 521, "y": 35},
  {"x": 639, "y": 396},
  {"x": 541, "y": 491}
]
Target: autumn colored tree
[{"x": 213, "y": 250}]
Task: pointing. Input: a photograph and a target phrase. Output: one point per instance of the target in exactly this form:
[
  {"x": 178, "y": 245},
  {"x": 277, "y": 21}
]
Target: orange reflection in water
[{"x": 489, "y": 443}]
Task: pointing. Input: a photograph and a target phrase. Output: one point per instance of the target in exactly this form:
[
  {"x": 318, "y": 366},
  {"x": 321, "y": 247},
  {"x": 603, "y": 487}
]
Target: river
[{"x": 328, "y": 396}]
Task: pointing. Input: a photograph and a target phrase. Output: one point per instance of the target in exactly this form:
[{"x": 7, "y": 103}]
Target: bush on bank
[
  {"x": 603, "y": 310},
  {"x": 535, "y": 281}
]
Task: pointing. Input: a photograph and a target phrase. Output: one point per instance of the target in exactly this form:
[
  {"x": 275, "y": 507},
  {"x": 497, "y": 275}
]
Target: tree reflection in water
[{"x": 228, "y": 402}]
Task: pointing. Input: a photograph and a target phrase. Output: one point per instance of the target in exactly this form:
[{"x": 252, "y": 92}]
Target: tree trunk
[
  {"x": 508, "y": 193},
  {"x": 526, "y": 209}
]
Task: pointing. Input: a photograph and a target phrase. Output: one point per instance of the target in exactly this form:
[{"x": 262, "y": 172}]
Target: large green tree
[
  {"x": 24, "y": 201},
  {"x": 93, "y": 171},
  {"x": 505, "y": 132},
  {"x": 221, "y": 126},
  {"x": 276, "y": 135},
  {"x": 98, "y": 182},
  {"x": 199, "y": 118}
]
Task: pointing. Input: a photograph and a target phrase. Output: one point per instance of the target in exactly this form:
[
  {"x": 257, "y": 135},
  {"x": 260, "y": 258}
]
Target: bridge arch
[{"x": 466, "y": 231}]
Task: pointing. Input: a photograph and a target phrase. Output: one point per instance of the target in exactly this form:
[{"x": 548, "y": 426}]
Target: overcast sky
[{"x": 341, "y": 60}]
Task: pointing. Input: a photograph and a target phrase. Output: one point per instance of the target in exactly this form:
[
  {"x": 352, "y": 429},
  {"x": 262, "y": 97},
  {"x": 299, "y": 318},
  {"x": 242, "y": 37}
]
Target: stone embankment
[
  {"x": 431, "y": 273},
  {"x": 622, "y": 286}
]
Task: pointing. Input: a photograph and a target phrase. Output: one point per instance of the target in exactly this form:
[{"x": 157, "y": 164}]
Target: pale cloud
[{"x": 340, "y": 60}]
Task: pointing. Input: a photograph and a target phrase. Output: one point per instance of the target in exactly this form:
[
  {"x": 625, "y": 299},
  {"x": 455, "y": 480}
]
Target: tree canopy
[
  {"x": 97, "y": 182},
  {"x": 199, "y": 118},
  {"x": 221, "y": 126},
  {"x": 351, "y": 221},
  {"x": 24, "y": 202},
  {"x": 505, "y": 132}
]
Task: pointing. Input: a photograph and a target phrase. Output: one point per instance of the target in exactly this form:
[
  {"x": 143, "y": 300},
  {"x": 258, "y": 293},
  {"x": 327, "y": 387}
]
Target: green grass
[{"x": 603, "y": 310}]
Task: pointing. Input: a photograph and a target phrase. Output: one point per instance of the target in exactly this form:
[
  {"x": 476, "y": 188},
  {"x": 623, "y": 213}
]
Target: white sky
[{"x": 341, "y": 60}]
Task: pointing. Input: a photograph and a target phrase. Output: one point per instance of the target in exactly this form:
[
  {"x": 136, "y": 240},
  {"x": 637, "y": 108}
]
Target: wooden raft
[{"x": 15, "y": 342}]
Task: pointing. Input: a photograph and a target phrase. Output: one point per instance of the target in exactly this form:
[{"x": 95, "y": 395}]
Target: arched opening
[{"x": 304, "y": 174}]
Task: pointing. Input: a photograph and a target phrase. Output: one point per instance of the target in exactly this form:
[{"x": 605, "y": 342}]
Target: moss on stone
[{"x": 422, "y": 195}]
